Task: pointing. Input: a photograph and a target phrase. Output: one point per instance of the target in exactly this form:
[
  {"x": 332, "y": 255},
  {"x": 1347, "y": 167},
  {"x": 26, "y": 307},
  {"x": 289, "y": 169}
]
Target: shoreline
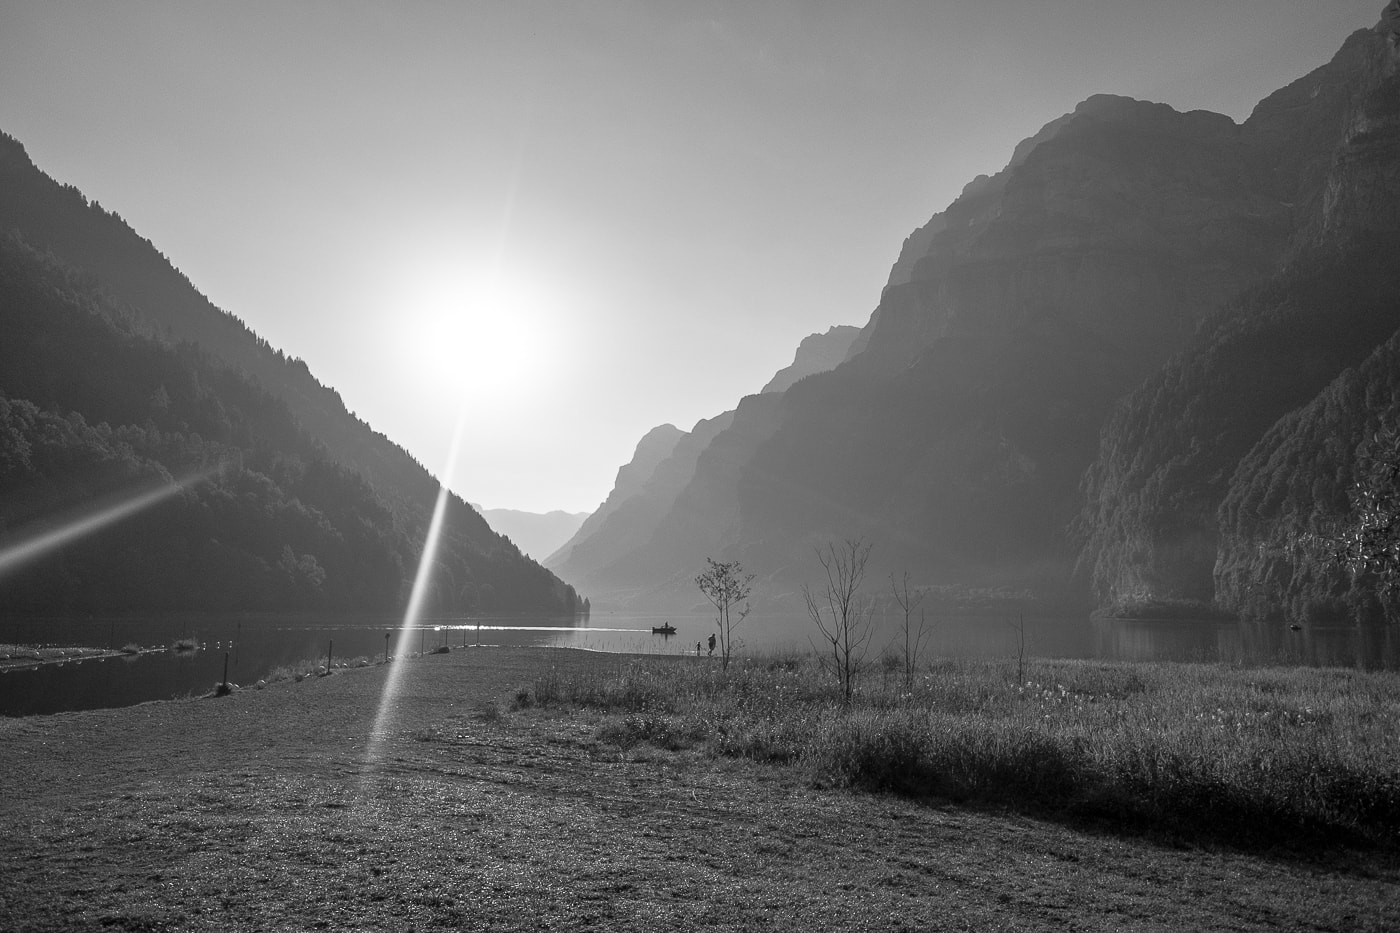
[{"x": 24, "y": 657}]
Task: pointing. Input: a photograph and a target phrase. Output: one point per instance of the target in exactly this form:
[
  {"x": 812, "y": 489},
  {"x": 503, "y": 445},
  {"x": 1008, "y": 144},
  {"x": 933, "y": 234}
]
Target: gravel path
[{"x": 297, "y": 807}]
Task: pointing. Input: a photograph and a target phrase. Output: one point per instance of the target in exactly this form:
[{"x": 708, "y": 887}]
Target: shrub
[
  {"x": 1276, "y": 756},
  {"x": 661, "y": 731}
]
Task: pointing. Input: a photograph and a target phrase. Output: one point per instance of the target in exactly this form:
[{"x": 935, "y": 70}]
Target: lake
[{"x": 254, "y": 645}]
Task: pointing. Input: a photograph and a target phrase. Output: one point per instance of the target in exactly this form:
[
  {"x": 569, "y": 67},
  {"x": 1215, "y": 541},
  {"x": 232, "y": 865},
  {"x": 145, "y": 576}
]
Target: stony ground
[{"x": 298, "y": 807}]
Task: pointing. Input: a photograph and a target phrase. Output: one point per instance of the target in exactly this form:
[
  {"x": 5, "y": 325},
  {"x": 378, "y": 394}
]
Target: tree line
[{"x": 94, "y": 408}]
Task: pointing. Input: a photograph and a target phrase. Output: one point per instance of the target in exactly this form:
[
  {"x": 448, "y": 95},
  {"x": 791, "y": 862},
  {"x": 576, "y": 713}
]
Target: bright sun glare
[{"x": 488, "y": 335}]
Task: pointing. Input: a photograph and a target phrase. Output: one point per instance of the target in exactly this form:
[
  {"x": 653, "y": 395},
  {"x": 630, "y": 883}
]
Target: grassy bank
[
  {"x": 1275, "y": 757},
  {"x": 318, "y": 805}
]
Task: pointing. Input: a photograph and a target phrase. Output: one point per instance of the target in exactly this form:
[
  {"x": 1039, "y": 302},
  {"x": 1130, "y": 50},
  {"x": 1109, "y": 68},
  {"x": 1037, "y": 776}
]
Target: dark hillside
[
  {"x": 1168, "y": 454},
  {"x": 1069, "y": 362},
  {"x": 94, "y": 409},
  {"x": 1150, "y": 522},
  {"x": 57, "y": 219},
  {"x": 1291, "y": 493},
  {"x": 956, "y": 438}
]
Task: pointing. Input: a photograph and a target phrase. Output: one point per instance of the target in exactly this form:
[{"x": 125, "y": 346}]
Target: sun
[{"x": 487, "y": 334}]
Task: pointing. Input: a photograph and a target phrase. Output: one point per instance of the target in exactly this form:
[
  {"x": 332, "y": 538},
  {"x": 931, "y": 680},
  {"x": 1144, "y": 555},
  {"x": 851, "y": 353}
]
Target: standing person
[
  {"x": 697, "y": 649},
  {"x": 712, "y": 643}
]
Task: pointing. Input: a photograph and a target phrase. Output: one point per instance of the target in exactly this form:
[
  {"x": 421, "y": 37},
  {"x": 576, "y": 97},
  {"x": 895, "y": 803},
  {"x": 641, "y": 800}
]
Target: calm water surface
[{"x": 253, "y": 646}]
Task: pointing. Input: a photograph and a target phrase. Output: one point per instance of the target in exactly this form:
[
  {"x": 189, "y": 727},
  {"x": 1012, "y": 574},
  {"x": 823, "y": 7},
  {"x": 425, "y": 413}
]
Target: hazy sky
[{"x": 579, "y": 220}]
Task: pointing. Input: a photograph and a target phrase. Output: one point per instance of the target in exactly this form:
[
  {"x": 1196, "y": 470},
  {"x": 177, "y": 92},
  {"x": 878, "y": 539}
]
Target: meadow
[
  {"x": 1273, "y": 757},
  {"x": 530, "y": 788}
]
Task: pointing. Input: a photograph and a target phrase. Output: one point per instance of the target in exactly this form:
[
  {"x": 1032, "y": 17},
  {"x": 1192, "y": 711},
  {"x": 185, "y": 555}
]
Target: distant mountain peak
[
  {"x": 1013, "y": 325},
  {"x": 817, "y": 353}
]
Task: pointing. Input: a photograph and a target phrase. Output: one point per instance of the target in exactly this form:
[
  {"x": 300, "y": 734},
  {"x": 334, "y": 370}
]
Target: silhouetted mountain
[
  {"x": 1151, "y": 529},
  {"x": 610, "y": 549},
  {"x": 537, "y": 534},
  {"x": 817, "y": 353},
  {"x": 1068, "y": 364},
  {"x": 116, "y": 374},
  {"x": 644, "y": 493}
]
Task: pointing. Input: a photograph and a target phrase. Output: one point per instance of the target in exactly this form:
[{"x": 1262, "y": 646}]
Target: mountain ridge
[
  {"x": 64, "y": 253},
  {"x": 964, "y": 428}
]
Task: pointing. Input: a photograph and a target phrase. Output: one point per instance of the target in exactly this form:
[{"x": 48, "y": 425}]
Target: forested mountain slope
[
  {"x": 1291, "y": 496},
  {"x": 108, "y": 388},
  {"x": 1167, "y": 456},
  {"x": 57, "y": 219}
]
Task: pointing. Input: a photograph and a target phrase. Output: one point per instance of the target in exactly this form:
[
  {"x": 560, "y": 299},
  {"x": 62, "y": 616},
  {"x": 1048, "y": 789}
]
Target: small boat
[{"x": 667, "y": 629}]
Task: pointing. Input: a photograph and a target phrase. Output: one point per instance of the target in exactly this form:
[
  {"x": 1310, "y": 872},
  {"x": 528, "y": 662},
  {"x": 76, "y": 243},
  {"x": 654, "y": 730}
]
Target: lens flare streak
[
  {"x": 422, "y": 581},
  {"x": 34, "y": 546}
]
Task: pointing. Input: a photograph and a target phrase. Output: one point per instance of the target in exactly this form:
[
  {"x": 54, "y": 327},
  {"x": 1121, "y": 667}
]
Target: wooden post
[
  {"x": 386, "y": 647},
  {"x": 223, "y": 689},
  {"x": 422, "y": 639},
  {"x": 329, "y": 647}
]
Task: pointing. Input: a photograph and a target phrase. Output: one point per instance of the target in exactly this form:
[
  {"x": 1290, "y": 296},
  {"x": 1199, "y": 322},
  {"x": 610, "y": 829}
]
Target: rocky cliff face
[
  {"x": 645, "y": 490},
  {"x": 1291, "y": 493},
  {"x": 1126, "y": 222},
  {"x": 612, "y": 553},
  {"x": 817, "y": 353},
  {"x": 1150, "y": 522},
  {"x": 957, "y": 437},
  {"x": 1168, "y": 452},
  {"x": 654, "y": 447},
  {"x": 1067, "y": 364}
]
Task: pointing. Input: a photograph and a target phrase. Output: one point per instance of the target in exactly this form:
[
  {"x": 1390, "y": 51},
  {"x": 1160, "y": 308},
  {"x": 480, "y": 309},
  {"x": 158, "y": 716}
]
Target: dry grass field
[{"x": 302, "y": 806}]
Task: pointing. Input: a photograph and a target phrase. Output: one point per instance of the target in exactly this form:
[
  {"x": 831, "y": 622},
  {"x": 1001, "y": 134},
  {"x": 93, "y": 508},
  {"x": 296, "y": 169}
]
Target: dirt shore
[{"x": 300, "y": 807}]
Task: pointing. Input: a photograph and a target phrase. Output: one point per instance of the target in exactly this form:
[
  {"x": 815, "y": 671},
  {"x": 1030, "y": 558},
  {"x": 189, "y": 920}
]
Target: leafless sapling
[
  {"x": 1020, "y": 628},
  {"x": 842, "y": 616},
  {"x": 914, "y": 632},
  {"x": 725, "y": 585}
]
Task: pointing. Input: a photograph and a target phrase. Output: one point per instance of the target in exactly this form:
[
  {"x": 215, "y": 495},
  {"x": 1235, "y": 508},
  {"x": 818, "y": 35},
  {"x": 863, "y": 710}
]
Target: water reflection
[
  {"x": 255, "y": 645},
  {"x": 1249, "y": 644},
  {"x": 1134, "y": 640}
]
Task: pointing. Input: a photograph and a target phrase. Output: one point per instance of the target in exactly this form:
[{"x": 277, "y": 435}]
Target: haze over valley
[
  {"x": 732, "y": 465},
  {"x": 1127, "y": 370}
]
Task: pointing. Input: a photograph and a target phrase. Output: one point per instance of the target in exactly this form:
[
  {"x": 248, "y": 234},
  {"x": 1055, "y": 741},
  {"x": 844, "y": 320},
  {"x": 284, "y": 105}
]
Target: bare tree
[
  {"x": 1019, "y": 626},
  {"x": 726, "y": 585},
  {"x": 914, "y": 634},
  {"x": 838, "y": 611}
]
